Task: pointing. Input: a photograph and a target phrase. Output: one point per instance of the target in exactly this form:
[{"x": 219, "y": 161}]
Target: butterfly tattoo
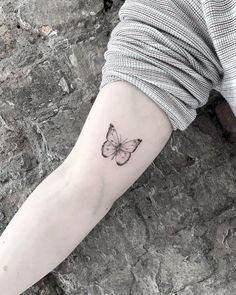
[{"x": 114, "y": 147}]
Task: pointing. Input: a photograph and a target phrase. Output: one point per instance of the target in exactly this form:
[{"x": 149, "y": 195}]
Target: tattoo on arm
[{"x": 114, "y": 147}]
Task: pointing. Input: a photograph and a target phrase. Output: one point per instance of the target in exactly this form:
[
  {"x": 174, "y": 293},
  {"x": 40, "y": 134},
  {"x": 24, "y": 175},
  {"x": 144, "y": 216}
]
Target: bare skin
[{"x": 123, "y": 133}]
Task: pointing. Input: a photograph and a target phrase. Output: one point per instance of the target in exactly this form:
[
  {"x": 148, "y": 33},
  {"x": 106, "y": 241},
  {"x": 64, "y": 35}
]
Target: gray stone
[
  {"x": 227, "y": 120},
  {"x": 2, "y": 215}
]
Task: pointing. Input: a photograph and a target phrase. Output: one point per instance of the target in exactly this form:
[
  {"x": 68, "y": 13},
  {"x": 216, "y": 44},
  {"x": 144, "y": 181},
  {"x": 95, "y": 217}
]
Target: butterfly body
[{"x": 114, "y": 147}]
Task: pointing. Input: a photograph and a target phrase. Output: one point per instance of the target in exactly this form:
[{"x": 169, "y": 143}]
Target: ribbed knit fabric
[{"x": 175, "y": 51}]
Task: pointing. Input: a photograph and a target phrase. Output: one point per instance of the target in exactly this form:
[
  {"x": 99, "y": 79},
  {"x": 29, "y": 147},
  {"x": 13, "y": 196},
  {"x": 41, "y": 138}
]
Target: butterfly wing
[
  {"x": 124, "y": 153},
  {"x": 131, "y": 145},
  {"x": 122, "y": 157},
  {"x": 108, "y": 149},
  {"x": 112, "y": 135}
]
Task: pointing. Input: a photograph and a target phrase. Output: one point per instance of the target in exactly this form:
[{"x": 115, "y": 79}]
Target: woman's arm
[{"x": 68, "y": 203}]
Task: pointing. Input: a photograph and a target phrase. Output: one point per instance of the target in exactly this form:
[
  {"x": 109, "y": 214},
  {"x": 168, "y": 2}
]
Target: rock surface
[{"x": 173, "y": 231}]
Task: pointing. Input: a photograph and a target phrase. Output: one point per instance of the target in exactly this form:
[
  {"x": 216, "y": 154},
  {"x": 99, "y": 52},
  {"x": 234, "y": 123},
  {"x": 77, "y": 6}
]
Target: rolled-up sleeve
[
  {"x": 220, "y": 17},
  {"x": 164, "y": 49}
]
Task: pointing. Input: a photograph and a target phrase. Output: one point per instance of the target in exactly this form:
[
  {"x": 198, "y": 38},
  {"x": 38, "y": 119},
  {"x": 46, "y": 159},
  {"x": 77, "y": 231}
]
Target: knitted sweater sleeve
[
  {"x": 220, "y": 18},
  {"x": 175, "y": 51}
]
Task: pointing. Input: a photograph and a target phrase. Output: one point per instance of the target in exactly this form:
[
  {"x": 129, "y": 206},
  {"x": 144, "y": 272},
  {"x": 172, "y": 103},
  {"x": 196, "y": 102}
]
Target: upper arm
[{"x": 121, "y": 111}]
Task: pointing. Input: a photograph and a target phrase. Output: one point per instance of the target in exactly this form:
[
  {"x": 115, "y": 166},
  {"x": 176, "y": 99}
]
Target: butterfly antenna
[
  {"x": 124, "y": 140},
  {"x": 120, "y": 137}
]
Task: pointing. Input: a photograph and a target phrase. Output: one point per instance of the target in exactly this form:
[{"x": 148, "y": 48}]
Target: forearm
[{"x": 48, "y": 226}]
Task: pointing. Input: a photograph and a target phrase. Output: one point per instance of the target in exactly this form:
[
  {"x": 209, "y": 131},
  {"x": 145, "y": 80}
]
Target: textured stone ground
[{"x": 174, "y": 231}]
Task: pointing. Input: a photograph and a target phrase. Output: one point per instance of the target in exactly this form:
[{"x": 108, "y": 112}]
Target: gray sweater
[{"x": 175, "y": 51}]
